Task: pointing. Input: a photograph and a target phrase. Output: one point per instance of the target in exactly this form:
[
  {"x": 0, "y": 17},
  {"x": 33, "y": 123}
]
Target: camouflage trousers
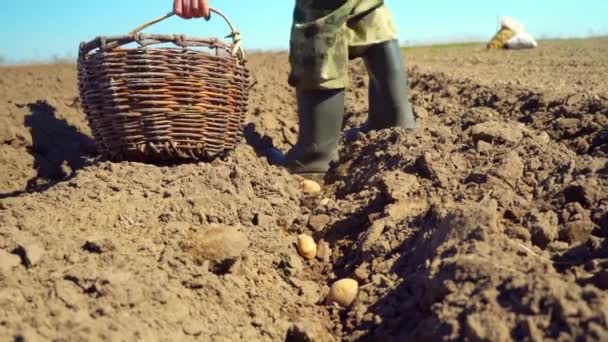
[{"x": 326, "y": 34}]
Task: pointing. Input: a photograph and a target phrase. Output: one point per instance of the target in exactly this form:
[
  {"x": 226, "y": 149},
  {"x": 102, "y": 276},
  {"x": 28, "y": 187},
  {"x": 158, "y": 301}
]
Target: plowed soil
[{"x": 489, "y": 223}]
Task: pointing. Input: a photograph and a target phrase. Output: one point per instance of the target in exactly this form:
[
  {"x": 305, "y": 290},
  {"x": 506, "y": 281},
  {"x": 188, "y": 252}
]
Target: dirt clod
[
  {"x": 361, "y": 274},
  {"x": 323, "y": 251},
  {"x": 319, "y": 222},
  {"x": 492, "y": 131},
  {"x": 292, "y": 264},
  {"x": 218, "y": 244},
  {"x": 31, "y": 254},
  {"x": 99, "y": 245},
  {"x": 511, "y": 168},
  {"x": 544, "y": 228}
]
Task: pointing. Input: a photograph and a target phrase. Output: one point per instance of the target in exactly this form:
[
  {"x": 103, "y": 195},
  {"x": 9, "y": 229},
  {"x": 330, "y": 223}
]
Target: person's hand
[{"x": 189, "y": 9}]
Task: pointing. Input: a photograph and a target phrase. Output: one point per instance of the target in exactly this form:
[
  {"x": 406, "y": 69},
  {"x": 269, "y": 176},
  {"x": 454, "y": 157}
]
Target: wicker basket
[{"x": 157, "y": 103}]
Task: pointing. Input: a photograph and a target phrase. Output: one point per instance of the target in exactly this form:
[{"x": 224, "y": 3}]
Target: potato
[
  {"x": 310, "y": 187},
  {"x": 343, "y": 292},
  {"x": 307, "y": 247}
]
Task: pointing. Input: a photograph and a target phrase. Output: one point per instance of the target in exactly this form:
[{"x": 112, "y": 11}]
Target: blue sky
[{"x": 34, "y": 30}]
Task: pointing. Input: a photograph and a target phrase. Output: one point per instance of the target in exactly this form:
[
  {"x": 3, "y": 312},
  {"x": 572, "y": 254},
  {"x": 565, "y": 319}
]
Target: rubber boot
[
  {"x": 389, "y": 104},
  {"x": 320, "y": 114}
]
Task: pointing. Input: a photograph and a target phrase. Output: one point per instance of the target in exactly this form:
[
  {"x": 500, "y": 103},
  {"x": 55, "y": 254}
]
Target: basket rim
[
  {"x": 110, "y": 43},
  {"x": 104, "y": 43}
]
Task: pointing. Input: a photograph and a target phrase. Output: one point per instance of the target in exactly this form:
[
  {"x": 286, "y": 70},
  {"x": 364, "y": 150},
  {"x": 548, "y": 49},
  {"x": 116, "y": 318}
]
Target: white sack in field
[{"x": 522, "y": 40}]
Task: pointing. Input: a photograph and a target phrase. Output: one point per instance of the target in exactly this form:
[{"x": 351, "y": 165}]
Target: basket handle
[{"x": 237, "y": 49}]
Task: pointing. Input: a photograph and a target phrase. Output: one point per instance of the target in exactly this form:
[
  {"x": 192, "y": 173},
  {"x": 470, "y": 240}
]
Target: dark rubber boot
[
  {"x": 320, "y": 114},
  {"x": 389, "y": 104}
]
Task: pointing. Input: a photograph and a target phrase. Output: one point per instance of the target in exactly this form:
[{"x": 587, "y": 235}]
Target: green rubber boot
[
  {"x": 389, "y": 104},
  {"x": 320, "y": 114}
]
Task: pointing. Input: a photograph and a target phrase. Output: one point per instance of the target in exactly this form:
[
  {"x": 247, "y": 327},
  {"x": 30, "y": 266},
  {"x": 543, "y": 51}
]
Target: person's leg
[
  {"x": 374, "y": 38},
  {"x": 320, "y": 114},
  {"x": 389, "y": 104},
  {"x": 319, "y": 67}
]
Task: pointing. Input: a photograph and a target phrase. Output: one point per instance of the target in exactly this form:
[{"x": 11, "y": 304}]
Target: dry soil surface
[{"x": 488, "y": 223}]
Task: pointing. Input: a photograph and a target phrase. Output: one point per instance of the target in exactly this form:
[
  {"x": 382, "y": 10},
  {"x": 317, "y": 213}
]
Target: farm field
[{"x": 488, "y": 223}]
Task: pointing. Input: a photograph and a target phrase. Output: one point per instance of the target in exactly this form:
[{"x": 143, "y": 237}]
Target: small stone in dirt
[
  {"x": 307, "y": 247},
  {"x": 343, "y": 292},
  {"x": 497, "y": 131},
  {"x": 30, "y": 254},
  {"x": 192, "y": 328},
  {"x": 484, "y": 147},
  {"x": 219, "y": 243},
  {"x": 319, "y": 222},
  {"x": 8, "y": 261},
  {"x": 324, "y": 202},
  {"x": 323, "y": 251},
  {"x": 310, "y": 187},
  {"x": 99, "y": 245}
]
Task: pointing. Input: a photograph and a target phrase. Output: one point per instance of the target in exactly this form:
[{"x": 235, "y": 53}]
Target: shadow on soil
[
  {"x": 263, "y": 145},
  {"x": 59, "y": 150}
]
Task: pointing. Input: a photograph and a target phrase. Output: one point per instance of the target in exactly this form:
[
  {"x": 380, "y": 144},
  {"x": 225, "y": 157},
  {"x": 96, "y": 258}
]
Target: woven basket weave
[{"x": 159, "y": 103}]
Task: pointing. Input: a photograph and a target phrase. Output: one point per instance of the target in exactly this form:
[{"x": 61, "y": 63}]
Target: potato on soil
[
  {"x": 310, "y": 187},
  {"x": 307, "y": 247},
  {"x": 343, "y": 292}
]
